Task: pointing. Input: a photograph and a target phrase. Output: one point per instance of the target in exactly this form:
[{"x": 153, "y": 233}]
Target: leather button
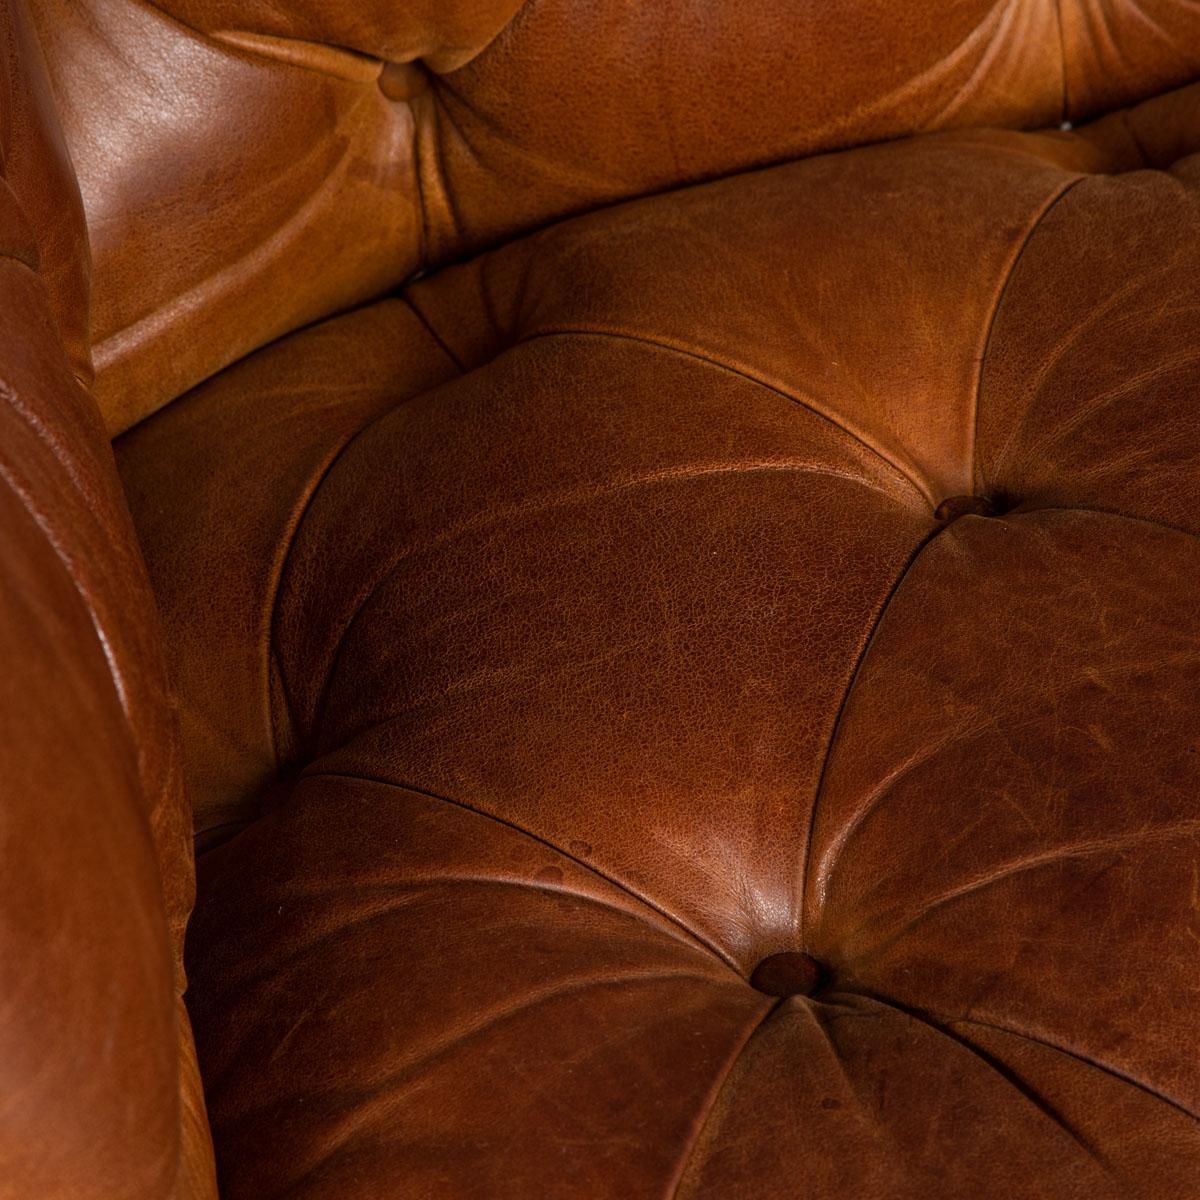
[
  {"x": 964, "y": 506},
  {"x": 402, "y": 80},
  {"x": 787, "y": 974}
]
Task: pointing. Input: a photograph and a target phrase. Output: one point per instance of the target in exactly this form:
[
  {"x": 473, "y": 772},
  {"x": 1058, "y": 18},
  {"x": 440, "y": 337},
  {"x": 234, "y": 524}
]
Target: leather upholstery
[
  {"x": 100, "y": 1096},
  {"x": 804, "y": 561},
  {"x": 250, "y": 167},
  {"x": 672, "y": 552}
]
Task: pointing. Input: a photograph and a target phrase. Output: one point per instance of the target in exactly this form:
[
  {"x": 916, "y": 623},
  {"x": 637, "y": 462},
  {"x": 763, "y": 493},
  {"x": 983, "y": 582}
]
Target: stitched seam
[
  {"x": 284, "y": 562},
  {"x": 1049, "y": 206},
  {"x": 835, "y": 729},
  {"x": 668, "y": 348},
  {"x": 714, "y": 1095},
  {"x": 1062, "y": 58},
  {"x": 433, "y": 333},
  {"x": 692, "y": 938}
]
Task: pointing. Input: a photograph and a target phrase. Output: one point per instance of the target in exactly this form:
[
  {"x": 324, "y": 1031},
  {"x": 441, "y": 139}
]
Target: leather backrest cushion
[
  {"x": 576, "y": 103},
  {"x": 250, "y": 167},
  {"x": 444, "y": 33},
  {"x": 43, "y": 221}
]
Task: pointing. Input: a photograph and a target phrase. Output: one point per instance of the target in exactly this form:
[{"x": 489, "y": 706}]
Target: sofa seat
[{"x": 703, "y": 700}]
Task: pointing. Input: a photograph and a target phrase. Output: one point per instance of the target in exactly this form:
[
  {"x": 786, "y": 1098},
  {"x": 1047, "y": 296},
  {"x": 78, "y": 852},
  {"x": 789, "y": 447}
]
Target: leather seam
[
  {"x": 1107, "y": 512},
  {"x": 32, "y": 267},
  {"x": 1048, "y": 207},
  {"x": 1025, "y": 1090},
  {"x": 1104, "y": 1068},
  {"x": 258, "y": 47},
  {"x": 668, "y": 348},
  {"x": 1127, "y": 125},
  {"x": 714, "y": 1095},
  {"x": 835, "y": 728},
  {"x": 1064, "y": 113},
  {"x": 302, "y": 514},
  {"x": 214, "y": 38},
  {"x": 437, "y": 338},
  {"x": 690, "y": 938},
  {"x": 943, "y": 1023},
  {"x": 274, "y": 667}
]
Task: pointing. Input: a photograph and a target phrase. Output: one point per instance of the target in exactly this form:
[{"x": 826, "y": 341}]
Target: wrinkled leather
[
  {"x": 101, "y": 1095},
  {"x": 248, "y": 168},
  {"x": 804, "y": 561}
]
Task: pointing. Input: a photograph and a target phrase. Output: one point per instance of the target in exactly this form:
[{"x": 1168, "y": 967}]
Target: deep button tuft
[
  {"x": 954, "y": 507},
  {"x": 402, "y": 80},
  {"x": 788, "y": 974}
]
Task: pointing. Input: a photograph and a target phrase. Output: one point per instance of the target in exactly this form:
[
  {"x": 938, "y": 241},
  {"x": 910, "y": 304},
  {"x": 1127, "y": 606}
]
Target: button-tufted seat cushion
[{"x": 703, "y": 700}]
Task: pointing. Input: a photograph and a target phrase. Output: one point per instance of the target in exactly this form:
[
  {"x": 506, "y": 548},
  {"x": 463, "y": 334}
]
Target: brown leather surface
[
  {"x": 250, "y": 167},
  {"x": 232, "y": 525},
  {"x": 803, "y": 563},
  {"x": 575, "y": 104},
  {"x": 100, "y": 1095},
  {"x": 43, "y": 218},
  {"x": 230, "y": 196}
]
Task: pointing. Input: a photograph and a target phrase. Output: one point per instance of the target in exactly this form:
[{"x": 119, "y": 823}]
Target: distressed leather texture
[{"x": 663, "y": 573}]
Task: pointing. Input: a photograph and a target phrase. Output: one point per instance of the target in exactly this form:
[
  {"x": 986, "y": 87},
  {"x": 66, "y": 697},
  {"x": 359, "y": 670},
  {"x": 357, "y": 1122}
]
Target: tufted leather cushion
[
  {"x": 249, "y": 166},
  {"x": 702, "y": 701}
]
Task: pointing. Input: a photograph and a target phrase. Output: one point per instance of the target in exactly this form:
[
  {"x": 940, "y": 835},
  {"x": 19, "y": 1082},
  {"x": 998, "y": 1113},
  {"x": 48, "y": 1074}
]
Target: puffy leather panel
[
  {"x": 236, "y": 535},
  {"x": 1036, "y": 811},
  {"x": 577, "y": 104},
  {"x": 488, "y": 1004},
  {"x": 1065, "y": 416},
  {"x": 802, "y": 563},
  {"x": 1118, "y": 52}
]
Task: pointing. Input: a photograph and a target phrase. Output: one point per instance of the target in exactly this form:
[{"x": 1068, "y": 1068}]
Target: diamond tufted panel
[{"x": 715, "y": 689}]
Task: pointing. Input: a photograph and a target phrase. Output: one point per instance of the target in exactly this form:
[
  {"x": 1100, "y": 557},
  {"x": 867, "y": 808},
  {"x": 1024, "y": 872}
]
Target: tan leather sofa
[{"x": 671, "y": 636}]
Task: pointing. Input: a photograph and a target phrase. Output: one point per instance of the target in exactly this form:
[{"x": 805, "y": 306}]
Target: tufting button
[
  {"x": 964, "y": 506},
  {"x": 787, "y": 974},
  {"x": 402, "y": 80}
]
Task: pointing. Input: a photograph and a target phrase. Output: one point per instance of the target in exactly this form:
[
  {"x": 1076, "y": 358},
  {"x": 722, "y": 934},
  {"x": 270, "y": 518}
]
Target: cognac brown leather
[
  {"x": 99, "y": 1093},
  {"x": 249, "y": 166},
  {"x": 683, "y": 649}
]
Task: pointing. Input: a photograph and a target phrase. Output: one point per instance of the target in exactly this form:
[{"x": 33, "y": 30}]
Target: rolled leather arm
[{"x": 99, "y": 1095}]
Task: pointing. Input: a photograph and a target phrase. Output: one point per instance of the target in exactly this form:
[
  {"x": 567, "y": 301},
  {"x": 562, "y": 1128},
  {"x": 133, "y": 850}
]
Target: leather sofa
[{"x": 639, "y": 634}]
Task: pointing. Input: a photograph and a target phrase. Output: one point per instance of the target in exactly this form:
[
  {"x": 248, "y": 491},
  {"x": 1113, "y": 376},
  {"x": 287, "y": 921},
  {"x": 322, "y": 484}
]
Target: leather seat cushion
[{"x": 802, "y": 562}]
